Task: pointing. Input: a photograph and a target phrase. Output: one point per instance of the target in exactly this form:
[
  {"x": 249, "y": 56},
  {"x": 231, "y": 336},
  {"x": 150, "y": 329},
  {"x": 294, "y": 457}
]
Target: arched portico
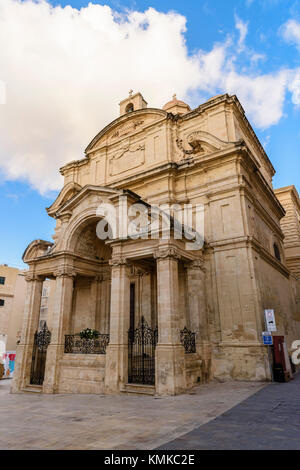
[{"x": 110, "y": 286}]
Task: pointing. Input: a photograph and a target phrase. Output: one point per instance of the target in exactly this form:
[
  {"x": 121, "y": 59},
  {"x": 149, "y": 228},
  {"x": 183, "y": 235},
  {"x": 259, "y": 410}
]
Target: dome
[{"x": 176, "y": 106}]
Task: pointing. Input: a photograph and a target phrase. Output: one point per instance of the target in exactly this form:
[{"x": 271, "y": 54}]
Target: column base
[
  {"x": 22, "y": 370},
  {"x": 205, "y": 353},
  {"x": 170, "y": 374},
  {"x": 54, "y": 354},
  {"x": 116, "y": 368}
]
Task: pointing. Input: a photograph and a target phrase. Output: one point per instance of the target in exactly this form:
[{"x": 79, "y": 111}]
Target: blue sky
[{"x": 69, "y": 88}]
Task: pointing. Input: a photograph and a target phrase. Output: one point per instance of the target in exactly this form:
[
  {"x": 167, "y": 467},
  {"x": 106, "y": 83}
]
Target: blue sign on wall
[{"x": 267, "y": 338}]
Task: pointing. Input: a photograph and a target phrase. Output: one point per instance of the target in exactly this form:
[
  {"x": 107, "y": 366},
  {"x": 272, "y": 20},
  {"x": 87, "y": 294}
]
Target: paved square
[{"x": 36, "y": 421}]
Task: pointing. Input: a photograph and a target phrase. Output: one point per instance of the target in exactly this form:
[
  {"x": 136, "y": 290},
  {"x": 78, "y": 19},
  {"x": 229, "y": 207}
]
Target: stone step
[
  {"x": 33, "y": 389},
  {"x": 139, "y": 389}
]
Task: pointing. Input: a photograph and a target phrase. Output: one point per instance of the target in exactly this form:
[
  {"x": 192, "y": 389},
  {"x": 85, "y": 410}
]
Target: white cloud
[
  {"x": 242, "y": 27},
  {"x": 263, "y": 95},
  {"x": 65, "y": 71},
  {"x": 2, "y": 92},
  {"x": 294, "y": 86},
  {"x": 291, "y": 32}
]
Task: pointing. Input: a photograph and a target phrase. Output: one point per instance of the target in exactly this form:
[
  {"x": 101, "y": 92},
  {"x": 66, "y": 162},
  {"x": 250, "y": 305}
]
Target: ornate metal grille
[
  {"x": 188, "y": 340},
  {"x": 42, "y": 339},
  {"x": 76, "y": 345},
  {"x": 141, "y": 354}
]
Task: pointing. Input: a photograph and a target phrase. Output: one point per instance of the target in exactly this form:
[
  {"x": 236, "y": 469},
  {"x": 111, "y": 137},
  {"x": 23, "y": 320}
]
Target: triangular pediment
[
  {"x": 99, "y": 193},
  {"x": 67, "y": 193}
]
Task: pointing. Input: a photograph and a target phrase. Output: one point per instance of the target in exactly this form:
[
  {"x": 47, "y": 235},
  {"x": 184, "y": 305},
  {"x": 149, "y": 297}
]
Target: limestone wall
[
  {"x": 82, "y": 373},
  {"x": 276, "y": 292}
]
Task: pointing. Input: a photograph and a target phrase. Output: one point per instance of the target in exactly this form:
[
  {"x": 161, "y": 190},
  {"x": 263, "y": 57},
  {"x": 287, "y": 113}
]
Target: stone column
[
  {"x": 116, "y": 369},
  {"x": 197, "y": 309},
  {"x": 30, "y": 325},
  {"x": 169, "y": 354},
  {"x": 61, "y": 319},
  {"x": 197, "y": 300}
]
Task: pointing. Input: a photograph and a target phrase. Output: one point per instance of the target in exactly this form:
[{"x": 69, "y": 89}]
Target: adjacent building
[
  {"x": 12, "y": 296},
  {"x": 12, "y": 301}
]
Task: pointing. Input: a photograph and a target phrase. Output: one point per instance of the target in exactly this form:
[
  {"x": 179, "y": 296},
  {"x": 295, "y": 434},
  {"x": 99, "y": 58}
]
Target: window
[
  {"x": 132, "y": 305},
  {"x": 129, "y": 108},
  {"x": 2, "y": 280},
  {"x": 277, "y": 252},
  {"x": 2, "y": 302}
]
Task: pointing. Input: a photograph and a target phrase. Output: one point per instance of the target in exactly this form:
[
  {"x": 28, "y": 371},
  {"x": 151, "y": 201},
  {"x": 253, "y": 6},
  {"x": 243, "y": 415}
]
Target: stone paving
[
  {"x": 36, "y": 421},
  {"x": 268, "y": 420}
]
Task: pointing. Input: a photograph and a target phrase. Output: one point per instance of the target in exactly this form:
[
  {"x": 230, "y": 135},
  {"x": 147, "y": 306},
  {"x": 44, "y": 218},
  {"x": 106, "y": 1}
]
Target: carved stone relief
[
  {"x": 91, "y": 246},
  {"x": 126, "y": 159},
  {"x": 126, "y": 129}
]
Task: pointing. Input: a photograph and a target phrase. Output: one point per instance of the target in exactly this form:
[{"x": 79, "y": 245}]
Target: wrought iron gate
[
  {"x": 141, "y": 354},
  {"x": 42, "y": 339}
]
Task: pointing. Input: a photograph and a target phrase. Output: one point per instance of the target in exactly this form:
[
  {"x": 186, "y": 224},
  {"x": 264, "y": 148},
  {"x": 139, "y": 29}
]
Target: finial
[
  {"x": 130, "y": 92},
  {"x": 174, "y": 96}
]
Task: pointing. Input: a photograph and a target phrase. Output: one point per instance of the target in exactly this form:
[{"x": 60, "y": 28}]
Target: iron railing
[
  {"x": 42, "y": 339},
  {"x": 188, "y": 340},
  {"x": 141, "y": 354},
  {"x": 76, "y": 345}
]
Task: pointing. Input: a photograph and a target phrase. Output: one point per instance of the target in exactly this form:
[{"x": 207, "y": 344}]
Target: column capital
[
  {"x": 196, "y": 264},
  {"x": 30, "y": 277},
  {"x": 115, "y": 262},
  {"x": 64, "y": 272},
  {"x": 167, "y": 253}
]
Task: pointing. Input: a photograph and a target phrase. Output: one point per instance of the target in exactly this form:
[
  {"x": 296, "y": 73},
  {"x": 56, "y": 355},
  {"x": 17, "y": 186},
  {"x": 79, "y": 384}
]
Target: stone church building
[{"x": 166, "y": 316}]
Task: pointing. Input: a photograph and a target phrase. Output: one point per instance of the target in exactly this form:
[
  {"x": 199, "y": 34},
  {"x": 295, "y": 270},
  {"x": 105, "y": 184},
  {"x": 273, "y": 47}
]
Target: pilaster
[
  {"x": 116, "y": 371},
  {"x": 169, "y": 353},
  {"x": 61, "y": 319},
  {"x": 34, "y": 285}
]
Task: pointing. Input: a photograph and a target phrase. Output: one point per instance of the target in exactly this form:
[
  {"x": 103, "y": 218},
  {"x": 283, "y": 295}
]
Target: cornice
[
  {"x": 85, "y": 191},
  {"x": 73, "y": 164},
  {"x": 292, "y": 191},
  {"x": 247, "y": 241}
]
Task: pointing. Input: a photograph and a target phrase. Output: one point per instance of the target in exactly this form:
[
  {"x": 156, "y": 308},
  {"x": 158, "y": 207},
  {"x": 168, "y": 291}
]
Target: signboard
[
  {"x": 9, "y": 364},
  {"x": 267, "y": 338},
  {"x": 270, "y": 320}
]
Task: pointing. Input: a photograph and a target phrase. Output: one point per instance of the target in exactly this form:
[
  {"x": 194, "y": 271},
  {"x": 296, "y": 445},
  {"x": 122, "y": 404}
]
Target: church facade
[{"x": 154, "y": 314}]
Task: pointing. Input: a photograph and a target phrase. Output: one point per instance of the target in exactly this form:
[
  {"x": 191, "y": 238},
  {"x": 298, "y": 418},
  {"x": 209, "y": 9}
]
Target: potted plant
[{"x": 89, "y": 333}]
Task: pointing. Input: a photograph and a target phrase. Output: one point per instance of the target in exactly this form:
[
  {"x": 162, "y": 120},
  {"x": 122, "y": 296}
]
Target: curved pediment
[
  {"x": 201, "y": 142},
  {"x": 124, "y": 126},
  {"x": 68, "y": 191},
  {"x": 35, "y": 249}
]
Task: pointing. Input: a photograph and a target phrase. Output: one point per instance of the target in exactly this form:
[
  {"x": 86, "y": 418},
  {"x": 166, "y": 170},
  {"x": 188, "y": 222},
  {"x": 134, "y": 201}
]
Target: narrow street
[{"x": 267, "y": 420}]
